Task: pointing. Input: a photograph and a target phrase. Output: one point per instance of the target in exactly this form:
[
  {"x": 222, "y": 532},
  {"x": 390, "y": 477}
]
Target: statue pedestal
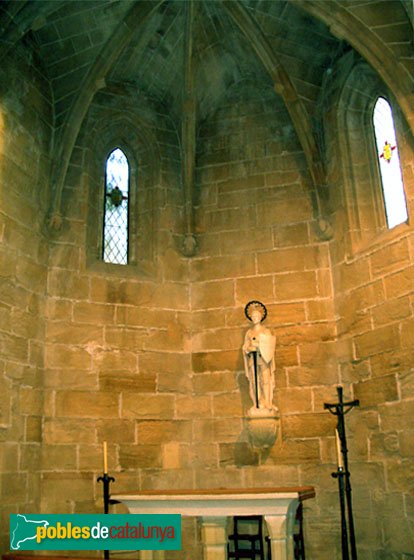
[{"x": 262, "y": 426}]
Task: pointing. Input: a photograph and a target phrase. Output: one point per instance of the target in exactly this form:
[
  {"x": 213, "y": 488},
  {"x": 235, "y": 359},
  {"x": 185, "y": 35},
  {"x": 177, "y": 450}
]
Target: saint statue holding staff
[{"x": 259, "y": 357}]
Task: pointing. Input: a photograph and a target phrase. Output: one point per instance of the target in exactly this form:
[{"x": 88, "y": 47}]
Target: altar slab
[{"x": 277, "y": 505}]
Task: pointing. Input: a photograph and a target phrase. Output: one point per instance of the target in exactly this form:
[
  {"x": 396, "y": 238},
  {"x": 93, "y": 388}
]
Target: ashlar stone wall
[
  {"x": 148, "y": 357},
  {"x": 372, "y": 270},
  {"x": 117, "y": 356},
  {"x": 150, "y": 360},
  {"x": 258, "y": 241},
  {"x": 25, "y": 132}
]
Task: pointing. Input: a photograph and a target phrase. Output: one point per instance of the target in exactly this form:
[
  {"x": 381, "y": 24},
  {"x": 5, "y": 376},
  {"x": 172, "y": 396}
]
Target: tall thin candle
[
  {"x": 339, "y": 451},
  {"x": 105, "y": 458}
]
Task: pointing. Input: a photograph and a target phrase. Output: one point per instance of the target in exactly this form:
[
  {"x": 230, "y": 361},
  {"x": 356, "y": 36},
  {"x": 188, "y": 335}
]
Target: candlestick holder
[
  {"x": 106, "y": 481},
  {"x": 343, "y": 475},
  {"x": 340, "y": 474}
]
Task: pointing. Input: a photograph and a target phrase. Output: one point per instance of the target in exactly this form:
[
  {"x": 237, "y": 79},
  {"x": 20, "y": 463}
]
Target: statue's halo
[{"x": 255, "y": 305}]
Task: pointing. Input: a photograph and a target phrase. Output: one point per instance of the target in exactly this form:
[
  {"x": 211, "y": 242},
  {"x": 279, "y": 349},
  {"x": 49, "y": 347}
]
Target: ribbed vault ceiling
[
  {"x": 189, "y": 53},
  {"x": 70, "y": 35}
]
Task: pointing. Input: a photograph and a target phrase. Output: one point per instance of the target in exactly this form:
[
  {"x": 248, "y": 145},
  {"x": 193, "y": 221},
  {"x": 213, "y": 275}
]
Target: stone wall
[
  {"x": 258, "y": 242},
  {"x": 372, "y": 278},
  {"x": 117, "y": 359},
  {"x": 151, "y": 362},
  {"x": 25, "y": 120},
  {"x": 148, "y": 357}
]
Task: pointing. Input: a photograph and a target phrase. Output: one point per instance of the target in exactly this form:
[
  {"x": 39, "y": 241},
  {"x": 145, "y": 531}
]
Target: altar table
[{"x": 277, "y": 506}]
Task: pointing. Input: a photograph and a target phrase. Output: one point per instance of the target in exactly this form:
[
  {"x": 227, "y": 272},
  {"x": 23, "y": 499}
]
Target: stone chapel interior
[{"x": 163, "y": 163}]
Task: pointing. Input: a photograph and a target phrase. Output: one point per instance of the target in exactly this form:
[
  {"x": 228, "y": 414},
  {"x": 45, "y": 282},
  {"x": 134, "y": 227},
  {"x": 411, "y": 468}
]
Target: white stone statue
[{"x": 259, "y": 357}]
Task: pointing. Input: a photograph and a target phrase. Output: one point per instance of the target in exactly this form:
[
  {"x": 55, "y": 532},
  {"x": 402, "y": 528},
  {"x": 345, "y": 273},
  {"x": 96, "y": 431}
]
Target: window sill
[
  {"x": 131, "y": 270},
  {"x": 378, "y": 240}
]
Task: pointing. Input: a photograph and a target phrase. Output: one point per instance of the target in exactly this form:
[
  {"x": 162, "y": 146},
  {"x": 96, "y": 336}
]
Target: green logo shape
[{"x": 95, "y": 532}]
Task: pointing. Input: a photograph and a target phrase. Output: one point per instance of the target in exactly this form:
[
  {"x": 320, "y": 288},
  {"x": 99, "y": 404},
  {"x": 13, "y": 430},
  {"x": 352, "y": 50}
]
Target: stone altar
[{"x": 277, "y": 505}]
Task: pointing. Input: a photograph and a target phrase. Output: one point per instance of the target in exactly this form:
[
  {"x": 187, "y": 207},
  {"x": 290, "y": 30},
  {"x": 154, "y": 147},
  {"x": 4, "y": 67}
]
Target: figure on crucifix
[{"x": 259, "y": 357}]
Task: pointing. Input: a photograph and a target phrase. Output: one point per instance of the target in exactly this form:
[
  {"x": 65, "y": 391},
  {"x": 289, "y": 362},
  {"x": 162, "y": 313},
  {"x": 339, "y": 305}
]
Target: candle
[
  {"x": 105, "y": 458},
  {"x": 339, "y": 451}
]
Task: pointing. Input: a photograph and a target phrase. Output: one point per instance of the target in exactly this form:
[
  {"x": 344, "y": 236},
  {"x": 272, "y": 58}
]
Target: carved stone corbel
[{"x": 262, "y": 427}]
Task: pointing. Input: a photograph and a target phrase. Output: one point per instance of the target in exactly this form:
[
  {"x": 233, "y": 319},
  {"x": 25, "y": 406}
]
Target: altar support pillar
[
  {"x": 214, "y": 538},
  {"x": 281, "y": 529}
]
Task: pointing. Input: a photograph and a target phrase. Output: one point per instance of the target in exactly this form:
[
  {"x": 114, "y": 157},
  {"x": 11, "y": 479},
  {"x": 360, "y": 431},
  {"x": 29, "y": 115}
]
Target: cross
[{"x": 339, "y": 409}]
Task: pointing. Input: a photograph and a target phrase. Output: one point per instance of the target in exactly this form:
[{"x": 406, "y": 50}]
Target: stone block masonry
[{"x": 148, "y": 357}]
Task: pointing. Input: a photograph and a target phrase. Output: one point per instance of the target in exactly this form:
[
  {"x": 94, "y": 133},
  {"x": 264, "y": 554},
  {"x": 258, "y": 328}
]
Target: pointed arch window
[
  {"x": 116, "y": 208},
  {"x": 389, "y": 164}
]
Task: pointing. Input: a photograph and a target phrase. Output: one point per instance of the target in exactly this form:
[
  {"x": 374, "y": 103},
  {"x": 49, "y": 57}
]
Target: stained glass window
[
  {"x": 115, "y": 234},
  {"x": 389, "y": 164}
]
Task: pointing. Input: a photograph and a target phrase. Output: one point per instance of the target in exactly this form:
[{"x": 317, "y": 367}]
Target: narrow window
[
  {"x": 389, "y": 164},
  {"x": 115, "y": 234}
]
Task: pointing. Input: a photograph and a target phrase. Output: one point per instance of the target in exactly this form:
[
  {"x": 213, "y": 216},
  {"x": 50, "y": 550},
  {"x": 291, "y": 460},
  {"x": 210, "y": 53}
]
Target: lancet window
[
  {"x": 116, "y": 208},
  {"x": 389, "y": 164}
]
